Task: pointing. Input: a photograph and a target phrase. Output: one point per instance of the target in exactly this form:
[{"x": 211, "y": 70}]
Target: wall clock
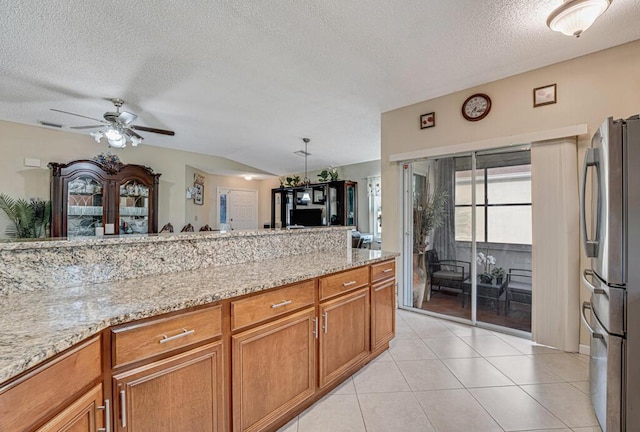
[{"x": 476, "y": 107}]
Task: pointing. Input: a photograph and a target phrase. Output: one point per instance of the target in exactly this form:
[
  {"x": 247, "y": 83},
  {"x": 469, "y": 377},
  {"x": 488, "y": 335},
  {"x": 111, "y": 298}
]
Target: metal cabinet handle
[
  {"x": 184, "y": 333},
  {"x": 315, "y": 328},
  {"x": 123, "y": 409},
  {"x": 346, "y": 284},
  {"x": 387, "y": 270},
  {"x": 107, "y": 416},
  {"x": 587, "y": 305},
  {"x": 325, "y": 315},
  {"x": 284, "y": 303},
  {"x": 591, "y": 158},
  {"x": 590, "y": 286}
]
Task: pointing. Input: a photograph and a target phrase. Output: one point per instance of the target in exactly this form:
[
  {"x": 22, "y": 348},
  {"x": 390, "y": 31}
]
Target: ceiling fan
[{"x": 119, "y": 128}]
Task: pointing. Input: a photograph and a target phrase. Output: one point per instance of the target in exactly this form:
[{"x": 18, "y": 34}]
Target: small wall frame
[{"x": 545, "y": 95}]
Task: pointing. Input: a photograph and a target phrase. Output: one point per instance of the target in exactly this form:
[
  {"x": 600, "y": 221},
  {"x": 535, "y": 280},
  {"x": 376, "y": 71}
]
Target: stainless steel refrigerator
[{"x": 611, "y": 238}]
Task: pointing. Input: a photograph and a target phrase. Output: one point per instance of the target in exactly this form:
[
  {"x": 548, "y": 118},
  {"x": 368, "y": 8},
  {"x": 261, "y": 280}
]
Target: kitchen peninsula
[{"x": 208, "y": 321}]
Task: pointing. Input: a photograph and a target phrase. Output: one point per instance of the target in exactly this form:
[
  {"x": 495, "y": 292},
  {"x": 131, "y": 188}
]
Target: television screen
[{"x": 306, "y": 217}]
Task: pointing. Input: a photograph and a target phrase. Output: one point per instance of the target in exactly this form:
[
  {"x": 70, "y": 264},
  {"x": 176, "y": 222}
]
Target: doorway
[
  {"x": 237, "y": 209},
  {"x": 468, "y": 237}
]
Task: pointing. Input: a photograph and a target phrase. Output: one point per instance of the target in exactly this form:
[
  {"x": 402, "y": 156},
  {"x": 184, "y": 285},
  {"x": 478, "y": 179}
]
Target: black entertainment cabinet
[{"x": 336, "y": 202}]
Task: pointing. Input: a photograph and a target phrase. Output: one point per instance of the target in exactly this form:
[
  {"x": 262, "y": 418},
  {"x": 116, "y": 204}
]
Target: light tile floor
[{"x": 440, "y": 376}]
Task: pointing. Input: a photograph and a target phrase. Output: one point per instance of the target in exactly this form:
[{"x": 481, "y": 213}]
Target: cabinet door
[
  {"x": 80, "y": 416},
  {"x": 273, "y": 370},
  {"x": 383, "y": 317},
  {"x": 86, "y": 204},
  {"x": 344, "y": 334},
  {"x": 180, "y": 393}
]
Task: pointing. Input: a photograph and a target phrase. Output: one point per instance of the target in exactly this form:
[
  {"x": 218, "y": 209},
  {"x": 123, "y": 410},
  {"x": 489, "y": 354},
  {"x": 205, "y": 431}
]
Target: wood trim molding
[{"x": 507, "y": 141}]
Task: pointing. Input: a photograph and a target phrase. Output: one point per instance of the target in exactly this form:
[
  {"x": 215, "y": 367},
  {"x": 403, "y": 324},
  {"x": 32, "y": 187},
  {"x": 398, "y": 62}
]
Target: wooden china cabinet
[{"x": 89, "y": 197}]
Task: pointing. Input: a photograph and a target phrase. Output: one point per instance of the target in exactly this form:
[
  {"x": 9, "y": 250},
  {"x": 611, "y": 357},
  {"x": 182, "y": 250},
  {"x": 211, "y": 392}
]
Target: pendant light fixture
[
  {"x": 573, "y": 17},
  {"x": 306, "y": 196}
]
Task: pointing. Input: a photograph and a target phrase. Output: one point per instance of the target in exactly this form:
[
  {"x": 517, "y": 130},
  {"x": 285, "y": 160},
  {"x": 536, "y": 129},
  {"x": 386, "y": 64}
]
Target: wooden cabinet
[
  {"x": 274, "y": 370},
  {"x": 86, "y": 195},
  {"x": 180, "y": 393},
  {"x": 84, "y": 415},
  {"x": 383, "y": 304},
  {"x": 53, "y": 388},
  {"x": 344, "y": 334}
]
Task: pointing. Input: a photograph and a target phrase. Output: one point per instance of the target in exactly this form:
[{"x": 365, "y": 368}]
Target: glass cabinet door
[
  {"x": 350, "y": 205},
  {"x": 134, "y": 208},
  {"x": 85, "y": 206}
]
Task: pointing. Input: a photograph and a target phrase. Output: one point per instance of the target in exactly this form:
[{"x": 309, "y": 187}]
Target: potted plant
[
  {"x": 29, "y": 219},
  {"x": 485, "y": 261},
  {"x": 428, "y": 214}
]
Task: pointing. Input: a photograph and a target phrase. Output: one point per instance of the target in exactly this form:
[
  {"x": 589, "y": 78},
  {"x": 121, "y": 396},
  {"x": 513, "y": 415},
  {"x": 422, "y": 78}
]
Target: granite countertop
[{"x": 35, "y": 326}]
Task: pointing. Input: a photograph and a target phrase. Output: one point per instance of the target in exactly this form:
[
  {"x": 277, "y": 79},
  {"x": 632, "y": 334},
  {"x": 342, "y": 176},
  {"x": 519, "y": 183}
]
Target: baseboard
[{"x": 584, "y": 349}]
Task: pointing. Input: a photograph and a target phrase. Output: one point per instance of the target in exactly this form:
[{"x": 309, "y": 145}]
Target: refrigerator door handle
[
  {"x": 591, "y": 246},
  {"x": 587, "y": 305},
  {"x": 590, "y": 286}
]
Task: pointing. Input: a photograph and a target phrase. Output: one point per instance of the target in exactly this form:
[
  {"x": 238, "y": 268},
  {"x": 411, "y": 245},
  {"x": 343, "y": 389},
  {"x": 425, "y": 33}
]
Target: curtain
[
  {"x": 444, "y": 241},
  {"x": 556, "y": 244}
]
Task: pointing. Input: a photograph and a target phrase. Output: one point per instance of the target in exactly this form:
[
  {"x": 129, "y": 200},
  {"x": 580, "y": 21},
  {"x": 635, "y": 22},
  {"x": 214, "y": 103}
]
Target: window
[
  {"x": 375, "y": 207},
  {"x": 503, "y": 204}
]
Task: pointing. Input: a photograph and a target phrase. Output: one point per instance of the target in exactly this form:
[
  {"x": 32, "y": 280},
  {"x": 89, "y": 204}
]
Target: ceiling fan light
[
  {"x": 135, "y": 141},
  {"x": 573, "y": 17},
  {"x": 113, "y": 134},
  {"x": 117, "y": 143},
  {"x": 97, "y": 135}
]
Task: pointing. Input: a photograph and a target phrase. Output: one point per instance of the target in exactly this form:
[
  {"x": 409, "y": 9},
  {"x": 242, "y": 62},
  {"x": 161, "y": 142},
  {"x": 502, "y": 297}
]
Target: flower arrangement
[
  {"x": 486, "y": 261},
  {"x": 107, "y": 159},
  {"x": 498, "y": 273}
]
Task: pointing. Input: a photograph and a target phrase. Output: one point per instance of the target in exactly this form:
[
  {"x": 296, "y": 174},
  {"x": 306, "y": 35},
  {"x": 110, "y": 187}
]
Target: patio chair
[
  {"x": 518, "y": 288},
  {"x": 447, "y": 275}
]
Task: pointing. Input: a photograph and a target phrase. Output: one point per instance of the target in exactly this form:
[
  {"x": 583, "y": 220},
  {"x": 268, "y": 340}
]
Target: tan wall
[
  {"x": 590, "y": 88},
  {"x": 356, "y": 172},
  {"x": 18, "y": 141}
]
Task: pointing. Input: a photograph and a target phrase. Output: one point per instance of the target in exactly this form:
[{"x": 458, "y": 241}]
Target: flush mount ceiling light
[{"x": 575, "y": 16}]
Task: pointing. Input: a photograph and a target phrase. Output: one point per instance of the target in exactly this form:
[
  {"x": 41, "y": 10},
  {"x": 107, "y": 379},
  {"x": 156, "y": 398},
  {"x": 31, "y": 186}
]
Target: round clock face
[{"x": 476, "y": 107}]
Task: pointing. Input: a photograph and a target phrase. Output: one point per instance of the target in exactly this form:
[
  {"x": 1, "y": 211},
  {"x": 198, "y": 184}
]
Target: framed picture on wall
[
  {"x": 544, "y": 95},
  {"x": 198, "y": 198},
  {"x": 427, "y": 120}
]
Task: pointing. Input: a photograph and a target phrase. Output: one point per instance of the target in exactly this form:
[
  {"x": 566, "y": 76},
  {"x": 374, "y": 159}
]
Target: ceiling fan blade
[
  {"x": 87, "y": 127},
  {"x": 154, "y": 130},
  {"x": 130, "y": 133},
  {"x": 79, "y": 115},
  {"x": 126, "y": 117}
]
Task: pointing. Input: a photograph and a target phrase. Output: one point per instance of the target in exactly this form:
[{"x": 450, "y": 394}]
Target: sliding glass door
[{"x": 470, "y": 237}]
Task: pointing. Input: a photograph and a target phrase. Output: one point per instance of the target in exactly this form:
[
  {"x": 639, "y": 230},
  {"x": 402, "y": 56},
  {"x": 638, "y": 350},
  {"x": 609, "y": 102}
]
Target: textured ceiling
[{"x": 248, "y": 79}]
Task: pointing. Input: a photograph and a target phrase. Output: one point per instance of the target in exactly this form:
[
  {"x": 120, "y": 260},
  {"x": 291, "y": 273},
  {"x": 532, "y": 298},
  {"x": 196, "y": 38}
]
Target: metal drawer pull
[
  {"x": 107, "y": 416},
  {"x": 387, "y": 270},
  {"x": 123, "y": 409},
  {"x": 587, "y": 305},
  {"x": 184, "y": 333},
  {"x": 315, "y": 327},
  {"x": 589, "y": 285},
  {"x": 326, "y": 321},
  {"x": 346, "y": 284},
  {"x": 284, "y": 303}
]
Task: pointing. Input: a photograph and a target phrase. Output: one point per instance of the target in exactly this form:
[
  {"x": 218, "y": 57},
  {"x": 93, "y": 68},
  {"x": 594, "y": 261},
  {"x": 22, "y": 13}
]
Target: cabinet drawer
[
  {"x": 134, "y": 342},
  {"x": 343, "y": 282},
  {"x": 47, "y": 389},
  {"x": 383, "y": 270},
  {"x": 271, "y": 304}
]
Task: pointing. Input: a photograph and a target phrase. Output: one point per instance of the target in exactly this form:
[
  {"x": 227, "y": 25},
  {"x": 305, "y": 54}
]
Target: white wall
[{"x": 590, "y": 88}]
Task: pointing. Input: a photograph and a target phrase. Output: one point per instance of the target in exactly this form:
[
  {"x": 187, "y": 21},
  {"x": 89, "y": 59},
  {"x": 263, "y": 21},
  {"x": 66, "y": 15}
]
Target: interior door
[{"x": 243, "y": 209}]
